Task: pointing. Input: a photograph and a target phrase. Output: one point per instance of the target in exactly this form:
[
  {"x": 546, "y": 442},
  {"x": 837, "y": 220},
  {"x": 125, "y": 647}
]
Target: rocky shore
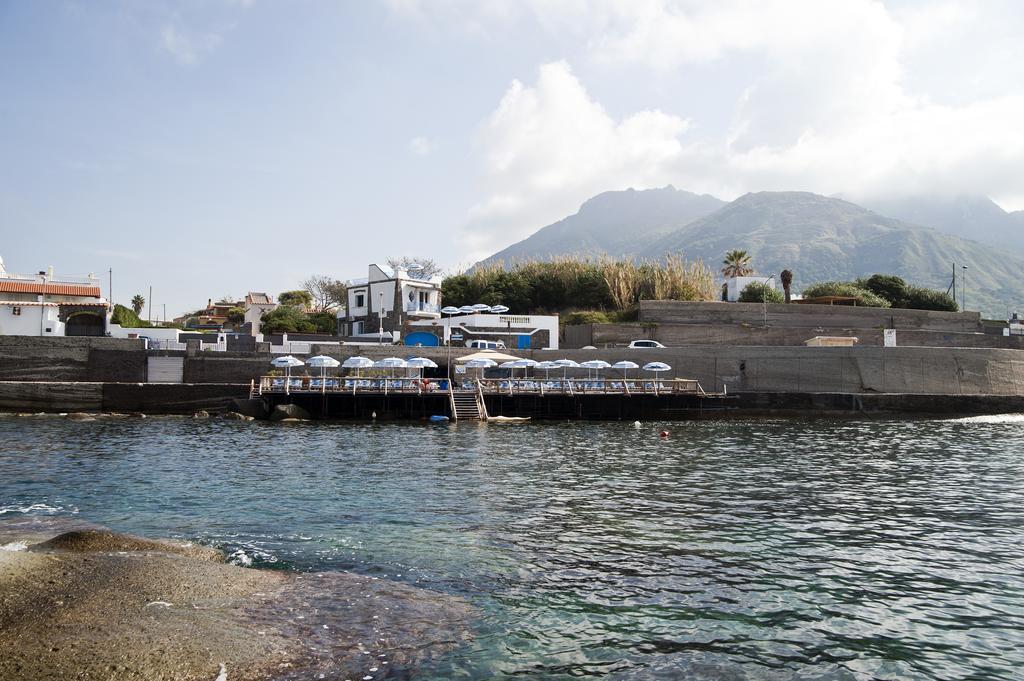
[{"x": 79, "y": 601}]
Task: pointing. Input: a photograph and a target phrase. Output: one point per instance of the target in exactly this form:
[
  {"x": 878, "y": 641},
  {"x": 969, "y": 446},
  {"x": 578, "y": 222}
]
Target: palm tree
[
  {"x": 138, "y": 302},
  {"x": 737, "y": 264},
  {"x": 787, "y": 281}
]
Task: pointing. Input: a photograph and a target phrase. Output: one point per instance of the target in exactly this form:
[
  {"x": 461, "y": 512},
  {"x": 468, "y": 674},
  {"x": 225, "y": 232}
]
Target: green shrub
[
  {"x": 887, "y": 286},
  {"x": 589, "y": 317},
  {"x": 126, "y": 317},
  {"x": 846, "y": 289},
  {"x": 919, "y": 298},
  {"x": 757, "y": 292}
]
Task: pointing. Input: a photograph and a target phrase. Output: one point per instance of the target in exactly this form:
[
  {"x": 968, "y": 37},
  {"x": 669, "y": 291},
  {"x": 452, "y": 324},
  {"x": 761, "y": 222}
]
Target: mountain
[
  {"x": 817, "y": 237},
  {"x": 969, "y": 216},
  {"x": 616, "y": 223},
  {"x": 821, "y": 238}
]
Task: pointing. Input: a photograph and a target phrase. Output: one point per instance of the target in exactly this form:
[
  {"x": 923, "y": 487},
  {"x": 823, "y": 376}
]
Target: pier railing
[{"x": 486, "y": 386}]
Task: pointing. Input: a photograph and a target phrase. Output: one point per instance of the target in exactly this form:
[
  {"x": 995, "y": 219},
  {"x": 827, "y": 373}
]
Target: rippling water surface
[{"x": 762, "y": 549}]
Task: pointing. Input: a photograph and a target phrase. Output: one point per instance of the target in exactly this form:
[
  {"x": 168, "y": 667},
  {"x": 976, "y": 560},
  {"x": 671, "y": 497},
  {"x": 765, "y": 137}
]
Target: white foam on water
[
  {"x": 161, "y": 604},
  {"x": 992, "y": 418},
  {"x": 223, "y": 676},
  {"x": 14, "y": 546},
  {"x": 240, "y": 557},
  {"x": 34, "y": 508}
]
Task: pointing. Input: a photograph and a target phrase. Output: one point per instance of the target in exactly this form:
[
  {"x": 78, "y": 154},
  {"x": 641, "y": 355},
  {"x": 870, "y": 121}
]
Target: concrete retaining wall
[
  {"x": 31, "y": 358},
  {"x": 148, "y": 398},
  {"x": 620, "y": 335},
  {"x": 954, "y": 371},
  {"x": 806, "y": 316}
]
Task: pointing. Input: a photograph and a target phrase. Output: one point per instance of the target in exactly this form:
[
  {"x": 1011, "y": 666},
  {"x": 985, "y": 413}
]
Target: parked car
[
  {"x": 485, "y": 344},
  {"x": 645, "y": 344}
]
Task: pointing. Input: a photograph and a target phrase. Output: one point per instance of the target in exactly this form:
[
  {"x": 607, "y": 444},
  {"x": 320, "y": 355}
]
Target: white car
[{"x": 645, "y": 344}]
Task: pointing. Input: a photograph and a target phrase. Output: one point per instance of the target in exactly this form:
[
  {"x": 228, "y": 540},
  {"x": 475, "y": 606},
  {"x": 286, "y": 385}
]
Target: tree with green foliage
[
  {"x": 236, "y": 316},
  {"x": 888, "y": 286},
  {"x": 846, "y": 289},
  {"x": 737, "y": 264},
  {"x": 138, "y": 302},
  {"x": 919, "y": 298},
  {"x": 787, "y": 284},
  {"x": 760, "y": 292},
  {"x": 126, "y": 317},
  {"x": 568, "y": 284},
  {"x": 286, "y": 319},
  {"x": 299, "y": 299}
]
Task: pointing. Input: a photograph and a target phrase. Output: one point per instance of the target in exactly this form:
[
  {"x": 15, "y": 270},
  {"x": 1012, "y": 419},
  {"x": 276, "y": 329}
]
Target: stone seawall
[
  {"x": 146, "y": 398},
  {"x": 30, "y": 358}
]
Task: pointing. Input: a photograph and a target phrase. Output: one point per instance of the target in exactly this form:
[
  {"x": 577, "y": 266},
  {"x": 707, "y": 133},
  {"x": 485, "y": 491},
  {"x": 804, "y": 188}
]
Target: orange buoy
[{"x": 664, "y": 433}]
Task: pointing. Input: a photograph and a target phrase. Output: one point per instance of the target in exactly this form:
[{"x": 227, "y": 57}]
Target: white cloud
[
  {"x": 830, "y": 107},
  {"x": 547, "y": 148},
  {"x": 421, "y": 146},
  {"x": 187, "y": 48}
]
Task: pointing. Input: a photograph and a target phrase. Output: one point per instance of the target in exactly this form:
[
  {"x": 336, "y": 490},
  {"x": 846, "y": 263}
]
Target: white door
[{"x": 166, "y": 369}]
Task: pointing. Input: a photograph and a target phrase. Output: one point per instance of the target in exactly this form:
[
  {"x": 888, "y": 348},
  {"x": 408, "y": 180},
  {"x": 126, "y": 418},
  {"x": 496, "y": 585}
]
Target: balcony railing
[{"x": 422, "y": 307}]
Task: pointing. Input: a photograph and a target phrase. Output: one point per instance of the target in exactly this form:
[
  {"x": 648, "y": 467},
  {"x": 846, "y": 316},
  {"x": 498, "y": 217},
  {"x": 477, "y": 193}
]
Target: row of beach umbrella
[
  {"x": 288, "y": 362},
  {"x": 323, "y": 362}
]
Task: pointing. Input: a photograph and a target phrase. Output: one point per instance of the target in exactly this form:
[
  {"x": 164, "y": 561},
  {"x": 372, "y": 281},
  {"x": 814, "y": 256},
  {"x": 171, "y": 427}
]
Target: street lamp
[
  {"x": 963, "y": 291},
  {"x": 764, "y": 298},
  {"x": 380, "y": 316}
]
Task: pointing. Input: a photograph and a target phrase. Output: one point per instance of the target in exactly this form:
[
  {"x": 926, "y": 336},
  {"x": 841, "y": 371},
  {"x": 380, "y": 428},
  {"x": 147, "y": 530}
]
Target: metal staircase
[{"x": 468, "y": 405}]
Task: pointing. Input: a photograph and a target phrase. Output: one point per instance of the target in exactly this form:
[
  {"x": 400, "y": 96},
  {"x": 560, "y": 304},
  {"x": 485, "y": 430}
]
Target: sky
[{"x": 207, "y": 148}]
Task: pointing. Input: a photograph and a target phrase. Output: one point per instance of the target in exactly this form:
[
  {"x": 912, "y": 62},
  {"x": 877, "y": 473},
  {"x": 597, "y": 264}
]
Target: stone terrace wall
[
  {"x": 806, "y": 316},
  {"x": 31, "y": 358},
  {"x": 612, "y": 335},
  {"x": 954, "y": 371}
]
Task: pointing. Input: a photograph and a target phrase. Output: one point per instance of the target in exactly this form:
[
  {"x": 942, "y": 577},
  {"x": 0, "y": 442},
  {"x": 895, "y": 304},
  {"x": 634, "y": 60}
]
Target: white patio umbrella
[
  {"x": 467, "y": 309},
  {"x": 286, "y": 362},
  {"x": 498, "y": 309},
  {"x": 481, "y": 363},
  {"x": 625, "y": 365},
  {"x": 656, "y": 367},
  {"x": 450, "y": 309},
  {"x": 421, "y": 363},
  {"x": 595, "y": 364},
  {"x": 567, "y": 364},
  {"x": 547, "y": 365},
  {"x": 481, "y": 307},
  {"x": 323, "y": 361},
  {"x": 390, "y": 363},
  {"x": 357, "y": 363}
]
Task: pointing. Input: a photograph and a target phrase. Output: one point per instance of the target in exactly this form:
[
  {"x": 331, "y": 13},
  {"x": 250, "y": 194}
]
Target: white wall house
[
  {"x": 388, "y": 300},
  {"x": 515, "y": 331},
  {"x": 256, "y": 305},
  {"x": 45, "y": 305},
  {"x": 735, "y": 285}
]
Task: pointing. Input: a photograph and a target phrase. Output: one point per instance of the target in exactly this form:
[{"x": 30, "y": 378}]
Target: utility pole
[
  {"x": 963, "y": 291},
  {"x": 165, "y": 313},
  {"x": 149, "y": 304},
  {"x": 110, "y": 287}
]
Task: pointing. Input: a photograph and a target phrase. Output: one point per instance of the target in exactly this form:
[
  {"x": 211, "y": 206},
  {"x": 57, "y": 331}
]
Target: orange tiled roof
[{"x": 49, "y": 288}]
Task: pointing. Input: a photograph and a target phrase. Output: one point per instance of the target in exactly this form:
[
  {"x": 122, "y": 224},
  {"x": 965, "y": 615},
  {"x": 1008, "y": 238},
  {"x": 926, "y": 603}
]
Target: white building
[
  {"x": 735, "y": 285},
  {"x": 46, "y": 305},
  {"x": 520, "y": 332},
  {"x": 256, "y": 305},
  {"x": 384, "y": 301}
]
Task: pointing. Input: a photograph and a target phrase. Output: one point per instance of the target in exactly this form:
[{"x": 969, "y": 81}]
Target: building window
[
  {"x": 16, "y": 311},
  {"x": 360, "y": 300}
]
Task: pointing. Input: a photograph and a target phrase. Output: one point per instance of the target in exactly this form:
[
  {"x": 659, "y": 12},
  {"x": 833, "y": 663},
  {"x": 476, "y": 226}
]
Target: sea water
[{"x": 755, "y": 549}]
